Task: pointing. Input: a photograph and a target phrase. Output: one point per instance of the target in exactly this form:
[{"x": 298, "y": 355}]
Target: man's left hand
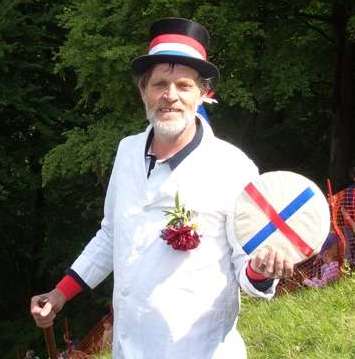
[{"x": 271, "y": 263}]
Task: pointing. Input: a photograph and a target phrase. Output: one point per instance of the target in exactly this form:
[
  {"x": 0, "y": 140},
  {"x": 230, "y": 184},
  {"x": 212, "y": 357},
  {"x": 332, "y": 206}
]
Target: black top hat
[{"x": 180, "y": 41}]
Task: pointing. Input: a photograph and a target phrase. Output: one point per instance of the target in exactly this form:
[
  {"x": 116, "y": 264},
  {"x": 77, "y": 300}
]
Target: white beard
[{"x": 170, "y": 129}]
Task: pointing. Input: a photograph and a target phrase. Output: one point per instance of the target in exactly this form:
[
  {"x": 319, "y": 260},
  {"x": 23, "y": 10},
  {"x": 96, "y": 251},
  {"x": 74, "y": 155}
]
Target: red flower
[
  {"x": 180, "y": 233},
  {"x": 182, "y": 238}
]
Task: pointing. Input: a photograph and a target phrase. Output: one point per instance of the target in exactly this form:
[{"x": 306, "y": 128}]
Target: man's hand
[
  {"x": 271, "y": 263},
  {"x": 44, "y": 307}
]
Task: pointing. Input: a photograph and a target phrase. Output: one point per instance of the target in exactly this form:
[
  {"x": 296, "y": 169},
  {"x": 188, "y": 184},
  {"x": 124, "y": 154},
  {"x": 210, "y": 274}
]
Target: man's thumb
[{"x": 46, "y": 309}]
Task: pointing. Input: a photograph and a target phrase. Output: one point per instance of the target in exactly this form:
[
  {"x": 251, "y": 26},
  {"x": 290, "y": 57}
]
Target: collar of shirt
[{"x": 176, "y": 159}]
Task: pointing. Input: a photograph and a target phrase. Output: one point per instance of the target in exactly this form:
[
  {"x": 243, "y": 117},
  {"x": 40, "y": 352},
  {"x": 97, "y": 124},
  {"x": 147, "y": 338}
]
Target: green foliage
[
  {"x": 67, "y": 98},
  {"x": 178, "y": 216},
  {"x": 351, "y": 28},
  {"x": 100, "y": 49},
  {"x": 29, "y": 122},
  {"x": 89, "y": 150},
  {"x": 259, "y": 48},
  {"x": 271, "y": 56},
  {"x": 24, "y": 334},
  {"x": 103, "y": 356},
  {"x": 311, "y": 324},
  {"x": 34, "y": 110}
]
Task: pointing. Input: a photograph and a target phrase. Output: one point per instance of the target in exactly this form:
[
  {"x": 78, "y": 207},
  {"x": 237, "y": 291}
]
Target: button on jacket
[{"x": 171, "y": 304}]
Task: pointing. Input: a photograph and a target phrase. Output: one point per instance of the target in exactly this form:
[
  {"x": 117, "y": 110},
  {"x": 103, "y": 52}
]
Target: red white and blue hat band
[
  {"x": 178, "y": 41},
  {"x": 177, "y": 45}
]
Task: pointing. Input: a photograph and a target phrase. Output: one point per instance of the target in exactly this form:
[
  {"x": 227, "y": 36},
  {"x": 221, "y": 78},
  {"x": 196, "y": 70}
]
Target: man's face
[{"x": 171, "y": 97}]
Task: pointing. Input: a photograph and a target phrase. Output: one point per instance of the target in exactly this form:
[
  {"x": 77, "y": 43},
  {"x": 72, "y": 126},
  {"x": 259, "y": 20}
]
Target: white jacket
[{"x": 171, "y": 304}]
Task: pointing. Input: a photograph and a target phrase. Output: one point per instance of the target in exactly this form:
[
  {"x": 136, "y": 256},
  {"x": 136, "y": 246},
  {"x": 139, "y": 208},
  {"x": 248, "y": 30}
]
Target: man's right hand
[{"x": 44, "y": 307}]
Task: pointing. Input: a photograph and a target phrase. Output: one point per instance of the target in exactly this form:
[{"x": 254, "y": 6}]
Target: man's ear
[
  {"x": 141, "y": 90},
  {"x": 204, "y": 95},
  {"x": 208, "y": 96}
]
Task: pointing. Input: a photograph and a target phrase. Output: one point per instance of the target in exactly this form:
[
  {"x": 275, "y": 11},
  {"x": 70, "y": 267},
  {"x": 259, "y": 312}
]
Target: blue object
[
  {"x": 202, "y": 111},
  {"x": 270, "y": 228}
]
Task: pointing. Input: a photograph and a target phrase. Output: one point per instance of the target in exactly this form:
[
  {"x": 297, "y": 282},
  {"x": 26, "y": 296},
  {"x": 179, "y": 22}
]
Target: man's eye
[
  {"x": 159, "y": 84},
  {"x": 185, "y": 86}
]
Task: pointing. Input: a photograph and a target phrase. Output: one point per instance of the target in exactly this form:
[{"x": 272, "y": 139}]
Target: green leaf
[
  {"x": 173, "y": 221},
  {"x": 169, "y": 213},
  {"x": 177, "y": 201}
]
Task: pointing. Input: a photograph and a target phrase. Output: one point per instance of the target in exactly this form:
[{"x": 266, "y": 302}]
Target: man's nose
[{"x": 170, "y": 93}]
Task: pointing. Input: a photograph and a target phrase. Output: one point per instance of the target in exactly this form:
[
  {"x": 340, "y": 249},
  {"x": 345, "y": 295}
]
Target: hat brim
[{"x": 206, "y": 69}]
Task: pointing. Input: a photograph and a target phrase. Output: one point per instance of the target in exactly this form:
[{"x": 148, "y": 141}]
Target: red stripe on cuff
[
  {"x": 69, "y": 287},
  {"x": 255, "y": 276}
]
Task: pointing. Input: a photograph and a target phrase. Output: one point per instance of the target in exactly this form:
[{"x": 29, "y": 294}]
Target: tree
[
  {"x": 34, "y": 111},
  {"x": 291, "y": 66},
  {"x": 67, "y": 98},
  {"x": 342, "y": 19},
  {"x": 279, "y": 84}
]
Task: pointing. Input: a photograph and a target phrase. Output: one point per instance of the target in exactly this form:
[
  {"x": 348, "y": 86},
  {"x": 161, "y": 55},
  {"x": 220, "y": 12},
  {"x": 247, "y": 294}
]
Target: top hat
[{"x": 177, "y": 41}]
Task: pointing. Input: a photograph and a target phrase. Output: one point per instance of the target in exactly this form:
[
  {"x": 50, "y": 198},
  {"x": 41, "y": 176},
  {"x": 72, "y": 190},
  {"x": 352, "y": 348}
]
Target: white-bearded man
[{"x": 176, "y": 287}]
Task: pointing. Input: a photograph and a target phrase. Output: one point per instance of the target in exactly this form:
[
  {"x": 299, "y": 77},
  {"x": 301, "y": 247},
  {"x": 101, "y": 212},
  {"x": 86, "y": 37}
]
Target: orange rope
[{"x": 332, "y": 199}]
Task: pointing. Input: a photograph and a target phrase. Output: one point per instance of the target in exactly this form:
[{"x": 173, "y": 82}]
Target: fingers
[
  {"x": 288, "y": 269},
  {"x": 44, "y": 307},
  {"x": 42, "y": 311},
  {"x": 263, "y": 261},
  {"x": 45, "y": 322},
  {"x": 257, "y": 263},
  {"x": 271, "y": 263},
  {"x": 46, "y": 310}
]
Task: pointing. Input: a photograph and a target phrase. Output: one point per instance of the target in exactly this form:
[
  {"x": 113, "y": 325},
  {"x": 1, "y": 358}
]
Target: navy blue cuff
[{"x": 262, "y": 285}]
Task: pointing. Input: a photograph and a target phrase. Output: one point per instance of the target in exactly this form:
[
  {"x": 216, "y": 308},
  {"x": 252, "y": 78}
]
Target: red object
[
  {"x": 69, "y": 287},
  {"x": 179, "y": 39},
  {"x": 255, "y": 276},
  {"x": 182, "y": 238},
  {"x": 342, "y": 205},
  {"x": 266, "y": 207}
]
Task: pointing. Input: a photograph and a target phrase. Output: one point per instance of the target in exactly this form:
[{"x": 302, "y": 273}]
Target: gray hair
[{"x": 205, "y": 84}]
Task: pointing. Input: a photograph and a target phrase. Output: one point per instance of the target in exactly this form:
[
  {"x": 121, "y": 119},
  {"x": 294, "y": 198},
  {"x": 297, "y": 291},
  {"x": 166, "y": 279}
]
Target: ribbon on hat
[
  {"x": 278, "y": 220},
  {"x": 208, "y": 98},
  {"x": 175, "y": 44}
]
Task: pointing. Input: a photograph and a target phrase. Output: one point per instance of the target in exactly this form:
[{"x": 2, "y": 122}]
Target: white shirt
[{"x": 171, "y": 304}]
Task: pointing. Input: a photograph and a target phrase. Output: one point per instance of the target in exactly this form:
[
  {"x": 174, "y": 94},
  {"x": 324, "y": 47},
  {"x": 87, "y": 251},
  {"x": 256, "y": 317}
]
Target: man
[{"x": 179, "y": 300}]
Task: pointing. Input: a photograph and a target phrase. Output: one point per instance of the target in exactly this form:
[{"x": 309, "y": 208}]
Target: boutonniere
[{"x": 180, "y": 233}]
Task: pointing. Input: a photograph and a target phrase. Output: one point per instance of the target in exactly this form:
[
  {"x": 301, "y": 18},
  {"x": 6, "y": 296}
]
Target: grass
[
  {"x": 309, "y": 324},
  {"x": 102, "y": 356}
]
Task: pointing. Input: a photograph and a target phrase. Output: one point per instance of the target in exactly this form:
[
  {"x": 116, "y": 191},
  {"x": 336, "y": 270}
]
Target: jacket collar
[{"x": 176, "y": 159}]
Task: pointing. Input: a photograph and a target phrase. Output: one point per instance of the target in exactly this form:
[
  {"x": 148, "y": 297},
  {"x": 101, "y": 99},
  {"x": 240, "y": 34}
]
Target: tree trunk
[{"x": 341, "y": 147}]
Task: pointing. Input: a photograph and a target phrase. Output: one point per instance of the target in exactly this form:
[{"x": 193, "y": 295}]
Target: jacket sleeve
[
  {"x": 239, "y": 258},
  {"x": 240, "y": 262},
  {"x": 95, "y": 263}
]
